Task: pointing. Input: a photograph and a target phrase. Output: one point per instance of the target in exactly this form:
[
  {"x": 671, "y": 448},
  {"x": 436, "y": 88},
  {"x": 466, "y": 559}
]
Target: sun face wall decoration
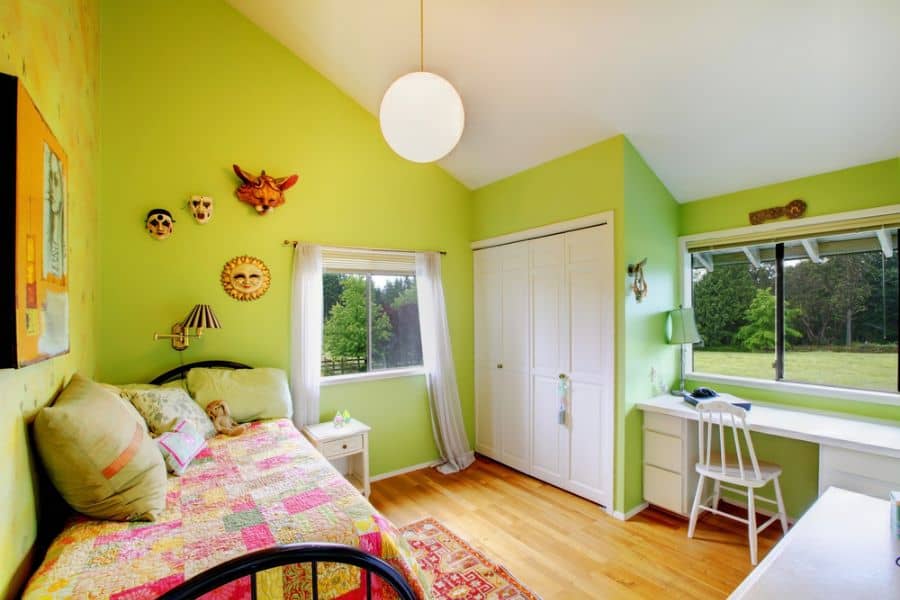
[{"x": 245, "y": 278}]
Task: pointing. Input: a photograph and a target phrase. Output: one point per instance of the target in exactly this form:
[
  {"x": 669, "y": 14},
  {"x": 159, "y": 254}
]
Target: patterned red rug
[{"x": 458, "y": 571}]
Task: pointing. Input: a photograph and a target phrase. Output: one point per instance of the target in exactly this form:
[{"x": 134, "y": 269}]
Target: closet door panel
[
  {"x": 591, "y": 376},
  {"x": 549, "y": 323},
  {"x": 488, "y": 320},
  {"x": 515, "y": 417}
]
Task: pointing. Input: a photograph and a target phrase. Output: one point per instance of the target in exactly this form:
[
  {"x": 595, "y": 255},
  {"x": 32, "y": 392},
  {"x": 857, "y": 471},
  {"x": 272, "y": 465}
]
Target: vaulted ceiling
[{"x": 717, "y": 96}]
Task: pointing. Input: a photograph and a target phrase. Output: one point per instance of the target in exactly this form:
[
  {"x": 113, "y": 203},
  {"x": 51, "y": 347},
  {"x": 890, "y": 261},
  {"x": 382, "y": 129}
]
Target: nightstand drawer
[
  {"x": 347, "y": 445},
  {"x": 661, "y": 450},
  {"x": 662, "y": 423}
]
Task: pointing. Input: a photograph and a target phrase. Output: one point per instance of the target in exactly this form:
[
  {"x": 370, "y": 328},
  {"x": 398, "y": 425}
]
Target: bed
[{"x": 241, "y": 497}]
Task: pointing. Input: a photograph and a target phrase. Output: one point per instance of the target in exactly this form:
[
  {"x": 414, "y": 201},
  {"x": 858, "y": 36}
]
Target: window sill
[
  {"x": 807, "y": 389},
  {"x": 373, "y": 376}
]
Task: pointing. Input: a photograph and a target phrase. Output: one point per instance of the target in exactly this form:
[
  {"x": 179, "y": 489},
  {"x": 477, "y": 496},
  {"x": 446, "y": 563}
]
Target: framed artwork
[{"x": 34, "y": 279}]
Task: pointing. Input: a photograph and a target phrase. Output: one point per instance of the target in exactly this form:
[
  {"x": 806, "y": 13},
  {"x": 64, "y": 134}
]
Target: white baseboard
[
  {"x": 763, "y": 511},
  {"x": 405, "y": 470},
  {"x": 631, "y": 513}
]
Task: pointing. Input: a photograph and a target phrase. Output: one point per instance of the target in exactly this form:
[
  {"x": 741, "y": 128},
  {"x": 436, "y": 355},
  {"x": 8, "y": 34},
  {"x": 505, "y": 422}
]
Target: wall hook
[{"x": 638, "y": 283}]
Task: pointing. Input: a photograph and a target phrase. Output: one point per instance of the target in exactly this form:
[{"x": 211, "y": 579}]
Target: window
[
  {"x": 371, "y": 317},
  {"x": 819, "y": 310}
]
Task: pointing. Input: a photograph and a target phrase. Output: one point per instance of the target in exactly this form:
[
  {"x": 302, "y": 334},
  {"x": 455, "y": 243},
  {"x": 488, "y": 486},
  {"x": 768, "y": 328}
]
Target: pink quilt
[{"x": 265, "y": 487}]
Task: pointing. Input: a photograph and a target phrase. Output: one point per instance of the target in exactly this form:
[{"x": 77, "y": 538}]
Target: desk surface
[
  {"x": 830, "y": 430},
  {"x": 841, "y": 548}
]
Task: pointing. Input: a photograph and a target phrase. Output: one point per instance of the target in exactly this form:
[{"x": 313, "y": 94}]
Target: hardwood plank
[{"x": 563, "y": 547}]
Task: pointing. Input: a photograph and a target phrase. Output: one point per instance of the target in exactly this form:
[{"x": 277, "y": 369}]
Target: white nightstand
[{"x": 347, "y": 448}]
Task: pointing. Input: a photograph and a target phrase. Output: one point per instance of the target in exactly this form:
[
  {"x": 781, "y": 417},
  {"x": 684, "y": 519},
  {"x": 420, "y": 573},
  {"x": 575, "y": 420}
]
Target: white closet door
[
  {"x": 487, "y": 284},
  {"x": 515, "y": 405},
  {"x": 592, "y": 334},
  {"x": 550, "y": 339}
]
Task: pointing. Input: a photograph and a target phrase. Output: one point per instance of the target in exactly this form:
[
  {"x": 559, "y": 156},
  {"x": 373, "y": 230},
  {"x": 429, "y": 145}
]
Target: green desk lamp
[{"x": 681, "y": 329}]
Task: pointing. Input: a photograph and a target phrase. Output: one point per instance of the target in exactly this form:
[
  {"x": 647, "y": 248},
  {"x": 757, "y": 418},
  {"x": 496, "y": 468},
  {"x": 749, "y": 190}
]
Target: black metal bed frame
[
  {"x": 291, "y": 554},
  {"x": 286, "y": 554}
]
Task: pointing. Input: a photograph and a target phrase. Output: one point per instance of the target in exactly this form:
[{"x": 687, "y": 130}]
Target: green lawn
[{"x": 846, "y": 369}]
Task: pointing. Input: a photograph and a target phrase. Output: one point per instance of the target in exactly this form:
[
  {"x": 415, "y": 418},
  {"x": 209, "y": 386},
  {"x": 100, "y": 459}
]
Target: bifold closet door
[
  {"x": 550, "y": 360},
  {"x": 488, "y": 319},
  {"x": 514, "y": 367},
  {"x": 591, "y": 310}
]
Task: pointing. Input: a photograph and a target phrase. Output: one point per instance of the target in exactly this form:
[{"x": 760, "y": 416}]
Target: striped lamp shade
[{"x": 201, "y": 317}]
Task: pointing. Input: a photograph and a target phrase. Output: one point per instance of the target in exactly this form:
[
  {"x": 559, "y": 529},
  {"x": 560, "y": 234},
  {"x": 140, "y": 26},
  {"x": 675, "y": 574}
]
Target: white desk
[
  {"x": 853, "y": 453},
  {"x": 842, "y": 548}
]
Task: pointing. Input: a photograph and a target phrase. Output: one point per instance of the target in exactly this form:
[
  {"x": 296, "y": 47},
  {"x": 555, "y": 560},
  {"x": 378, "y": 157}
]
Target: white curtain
[
  {"x": 446, "y": 413},
  {"x": 306, "y": 333}
]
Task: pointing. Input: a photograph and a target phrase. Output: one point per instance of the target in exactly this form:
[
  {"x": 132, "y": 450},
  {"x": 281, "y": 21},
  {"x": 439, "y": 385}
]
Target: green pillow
[
  {"x": 251, "y": 394},
  {"x": 99, "y": 456},
  {"x": 163, "y": 407}
]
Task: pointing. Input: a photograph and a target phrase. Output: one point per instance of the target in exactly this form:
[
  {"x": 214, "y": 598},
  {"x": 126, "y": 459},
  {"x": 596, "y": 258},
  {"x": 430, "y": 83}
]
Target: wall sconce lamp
[
  {"x": 201, "y": 317},
  {"x": 638, "y": 283}
]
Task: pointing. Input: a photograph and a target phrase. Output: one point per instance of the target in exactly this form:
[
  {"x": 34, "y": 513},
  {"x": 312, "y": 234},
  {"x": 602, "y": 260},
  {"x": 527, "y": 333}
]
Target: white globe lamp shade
[{"x": 422, "y": 117}]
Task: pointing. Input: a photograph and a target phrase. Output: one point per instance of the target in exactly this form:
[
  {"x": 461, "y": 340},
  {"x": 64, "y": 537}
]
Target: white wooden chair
[{"x": 733, "y": 469}]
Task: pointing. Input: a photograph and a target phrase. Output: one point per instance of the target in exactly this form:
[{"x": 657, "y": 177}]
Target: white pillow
[{"x": 251, "y": 394}]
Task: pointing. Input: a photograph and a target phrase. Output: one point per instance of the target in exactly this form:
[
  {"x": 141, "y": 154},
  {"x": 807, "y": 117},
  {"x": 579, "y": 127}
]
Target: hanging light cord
[{"x": 421, "y": 35}]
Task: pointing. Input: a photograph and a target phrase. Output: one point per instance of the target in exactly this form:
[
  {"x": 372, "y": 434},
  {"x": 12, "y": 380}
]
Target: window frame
[
  {"x": 411, "y": 371},
  {"x": 890, "y": 213}
]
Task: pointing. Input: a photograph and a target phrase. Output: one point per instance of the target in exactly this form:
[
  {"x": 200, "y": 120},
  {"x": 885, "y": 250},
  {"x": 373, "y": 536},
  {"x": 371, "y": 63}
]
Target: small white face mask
[
  {"x": 160, "y": 223},
  {"x": 202, "y": 208}
]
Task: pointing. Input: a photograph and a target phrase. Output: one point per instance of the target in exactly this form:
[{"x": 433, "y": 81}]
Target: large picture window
[
  {"x": 371, "y": 322},
  {"x": 819, "y": 310}
]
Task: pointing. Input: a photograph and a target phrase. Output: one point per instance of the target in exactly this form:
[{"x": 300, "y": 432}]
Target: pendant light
[{"x": 422, "y": 115}]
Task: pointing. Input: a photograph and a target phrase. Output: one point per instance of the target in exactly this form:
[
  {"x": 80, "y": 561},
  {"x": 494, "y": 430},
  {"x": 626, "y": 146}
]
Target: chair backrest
[{"x": 722, "y": 415}]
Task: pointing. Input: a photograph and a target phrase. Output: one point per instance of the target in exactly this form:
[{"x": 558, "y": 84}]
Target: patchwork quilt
[{"x": 265, "y": 487}]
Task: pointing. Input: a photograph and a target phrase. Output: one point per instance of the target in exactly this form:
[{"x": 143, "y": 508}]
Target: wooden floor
[{"x": 563, "y": 547}]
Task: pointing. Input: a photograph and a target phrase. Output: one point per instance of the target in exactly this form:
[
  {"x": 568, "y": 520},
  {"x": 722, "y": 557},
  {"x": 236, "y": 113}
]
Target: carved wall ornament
[
  {"x": 792, "y": 210},
  {"x": 245, "y": 278}
]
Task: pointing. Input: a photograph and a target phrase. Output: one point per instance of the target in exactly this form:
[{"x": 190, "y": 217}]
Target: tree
[
  {"x": 346, "y": 332},
  {"x": 721, "y": 300},
  {"x": 758, "y": 335}
]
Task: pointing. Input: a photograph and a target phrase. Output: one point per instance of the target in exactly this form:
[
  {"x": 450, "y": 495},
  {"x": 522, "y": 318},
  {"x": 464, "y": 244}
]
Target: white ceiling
[{"x": 717, "y": 96}]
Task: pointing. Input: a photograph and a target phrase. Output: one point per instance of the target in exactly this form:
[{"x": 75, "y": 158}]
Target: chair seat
[{"x": 732, "y": 473}]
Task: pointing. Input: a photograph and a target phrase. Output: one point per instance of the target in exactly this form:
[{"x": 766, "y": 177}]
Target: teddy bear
[{"x": 221, "y": 417}]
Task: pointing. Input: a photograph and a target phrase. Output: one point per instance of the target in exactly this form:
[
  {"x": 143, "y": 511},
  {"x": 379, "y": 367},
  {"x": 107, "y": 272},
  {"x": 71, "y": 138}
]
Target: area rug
[{"x": 457, "y": 571}]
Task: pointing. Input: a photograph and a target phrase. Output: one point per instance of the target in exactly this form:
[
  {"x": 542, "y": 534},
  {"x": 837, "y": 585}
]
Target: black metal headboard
[{"x": 179, "y": 372}]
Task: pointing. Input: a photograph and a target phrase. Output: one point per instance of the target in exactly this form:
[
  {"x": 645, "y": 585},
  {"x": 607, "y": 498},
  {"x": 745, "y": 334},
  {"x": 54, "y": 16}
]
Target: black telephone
[{"x": 704, "y": 392}]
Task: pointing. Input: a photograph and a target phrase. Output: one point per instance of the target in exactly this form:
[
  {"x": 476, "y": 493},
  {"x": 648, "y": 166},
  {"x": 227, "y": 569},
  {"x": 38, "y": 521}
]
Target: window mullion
[
  {"x": 369, "y": 322},
  {"x": 779, "y": 312}
]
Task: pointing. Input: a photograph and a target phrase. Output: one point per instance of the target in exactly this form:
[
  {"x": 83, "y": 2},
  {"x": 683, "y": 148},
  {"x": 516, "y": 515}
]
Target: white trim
[
  {"x": 405, "y": 470},
  {"x": 545, "y": 230},
  {"x": 372, "y": 376},
  {"x": 811, "y": 247},
  {"x": 787, "y": 226},
  {"x": 617, "y": 514},
  {"x": 752, "y": 255},
  {"x": 806, "y": 389}
]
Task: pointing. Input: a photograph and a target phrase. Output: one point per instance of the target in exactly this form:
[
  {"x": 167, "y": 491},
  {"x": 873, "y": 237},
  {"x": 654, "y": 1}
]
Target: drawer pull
[{"x": 344, "y": 446}]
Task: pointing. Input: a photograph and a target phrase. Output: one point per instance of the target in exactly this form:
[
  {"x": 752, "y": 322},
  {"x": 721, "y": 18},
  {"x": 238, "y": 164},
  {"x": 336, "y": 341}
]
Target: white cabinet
[
  {"x": 544, "y": 314},
  {"x": 670, "y": 453}
]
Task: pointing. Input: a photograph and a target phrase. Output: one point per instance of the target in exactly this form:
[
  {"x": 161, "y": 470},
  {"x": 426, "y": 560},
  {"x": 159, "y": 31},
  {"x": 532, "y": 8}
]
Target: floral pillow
[
  {"x": 180, "y": 446},
  {"x": 163, "y": 408}
]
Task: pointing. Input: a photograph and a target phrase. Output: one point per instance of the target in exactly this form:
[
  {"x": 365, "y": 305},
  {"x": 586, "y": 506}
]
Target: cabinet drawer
[
  {"x": 346, "y": 445},
  {"x": 662, "y": 423},
  {"x": 663, "y": 488},
  {"x": 661, "y": 450}
]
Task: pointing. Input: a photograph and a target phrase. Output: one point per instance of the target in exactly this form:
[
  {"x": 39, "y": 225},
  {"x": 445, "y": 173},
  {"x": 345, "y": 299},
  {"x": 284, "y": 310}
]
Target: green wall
[
  {"x": 609, "y": 175},
  {"x": 856, "y": 188},
  {"x": 54, "y": 48},
  {"x": 190, "y": 88},
  {"x": 651, "y": 232}
]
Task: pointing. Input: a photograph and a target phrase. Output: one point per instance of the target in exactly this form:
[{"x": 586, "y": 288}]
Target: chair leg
[
  {"x": 695, "y": 510},
  {"x": 716, "y": 494},
  {"x": 751, "y": 524},
  {"x": 781, "y": 511}
]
